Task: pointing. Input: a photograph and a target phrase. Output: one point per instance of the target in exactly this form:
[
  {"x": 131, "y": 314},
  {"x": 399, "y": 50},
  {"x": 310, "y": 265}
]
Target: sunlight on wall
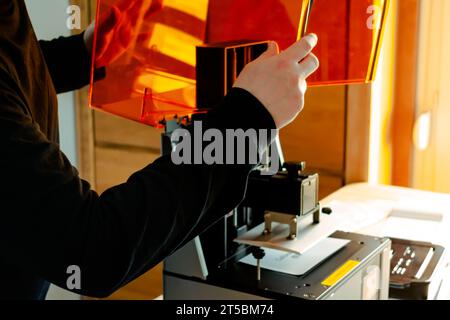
[
  {"x": 375, "y": 125},
  {"x": 380, "y": 154},
  {"x": 431, "y": 158}
]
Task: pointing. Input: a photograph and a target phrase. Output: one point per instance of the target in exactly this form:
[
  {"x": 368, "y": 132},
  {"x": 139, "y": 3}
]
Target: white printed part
[
  {"x": 309, "y": 234},
  {"x": 296, "y": 264},
  {"x": 421, "y": 213}
]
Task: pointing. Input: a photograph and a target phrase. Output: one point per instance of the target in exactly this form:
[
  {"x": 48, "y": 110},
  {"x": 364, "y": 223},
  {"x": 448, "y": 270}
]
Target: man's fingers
[
  {"x": 271, "y": 51},
  {"x": 125, "y": 5},
  {"x": 109, "y": 21},
  {"x": 137, "y": 12},
  {"x": 309, "y": 65},
  {"x": 107, "y": 25},
  {"x": 156, "y": 6},
  {"x": 299, "y": 50}
]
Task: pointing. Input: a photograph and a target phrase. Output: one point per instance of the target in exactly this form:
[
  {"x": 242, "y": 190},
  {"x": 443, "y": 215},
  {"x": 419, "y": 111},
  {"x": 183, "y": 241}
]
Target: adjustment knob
[{"x": 294, "y": 168}]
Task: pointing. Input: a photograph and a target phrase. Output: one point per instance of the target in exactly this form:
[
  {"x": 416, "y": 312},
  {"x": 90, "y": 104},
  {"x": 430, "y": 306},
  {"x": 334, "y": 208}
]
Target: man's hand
[
  {"x": 278, "y": 80},
  {"x": 118, "y": 28}
]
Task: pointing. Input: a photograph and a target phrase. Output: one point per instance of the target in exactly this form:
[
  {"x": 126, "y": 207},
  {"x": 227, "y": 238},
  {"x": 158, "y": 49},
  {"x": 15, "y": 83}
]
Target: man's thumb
[{"x": 271, "y": 51}]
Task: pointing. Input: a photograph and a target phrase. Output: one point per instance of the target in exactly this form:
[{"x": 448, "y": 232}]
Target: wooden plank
[
  {"x": 357, "y": 133},
  {"x": 85, "y": 136},
  {"x": 431, "y": 167},
  {"x": 405, "y": 91},
  {"x": 147, "y": 287},
  {"x": 329, "y": 184},
  {"x": 84, "y": 118},
  {"x": 114, "y": 167},
  {"x": 317, "y": 136},
  {"x": 111, "y": 129}
]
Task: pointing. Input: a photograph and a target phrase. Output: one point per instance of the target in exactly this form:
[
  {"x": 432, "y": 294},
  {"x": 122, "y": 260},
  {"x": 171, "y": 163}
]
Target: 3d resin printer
[{"x": 279, "y": 243}]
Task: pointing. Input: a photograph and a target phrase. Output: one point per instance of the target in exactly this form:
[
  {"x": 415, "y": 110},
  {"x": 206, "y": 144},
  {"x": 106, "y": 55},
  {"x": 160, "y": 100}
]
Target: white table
[{"x": 395, "y": 212}]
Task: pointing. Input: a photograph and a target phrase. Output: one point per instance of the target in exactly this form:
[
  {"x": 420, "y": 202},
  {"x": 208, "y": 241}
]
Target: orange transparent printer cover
[{"x": 149, "y": 57}]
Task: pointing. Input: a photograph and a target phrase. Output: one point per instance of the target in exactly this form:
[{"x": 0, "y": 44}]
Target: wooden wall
[
  {"x": 121, "y": 148},
  {"x": 332, "y": 135},
  {"x": 404, "y": 110}
]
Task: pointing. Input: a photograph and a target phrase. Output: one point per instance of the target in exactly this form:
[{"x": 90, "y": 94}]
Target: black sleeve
[
  {"x": 51, "y": 219},
  {"x": 68, "y": 61}
]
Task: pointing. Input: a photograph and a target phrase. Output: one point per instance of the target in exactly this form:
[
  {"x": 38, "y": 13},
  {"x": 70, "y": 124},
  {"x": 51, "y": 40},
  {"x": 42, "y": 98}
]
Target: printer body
[{"x": 216, "y": 266}]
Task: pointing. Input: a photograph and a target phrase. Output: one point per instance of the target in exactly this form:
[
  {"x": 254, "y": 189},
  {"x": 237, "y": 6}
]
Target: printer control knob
[
  {"x": 258, "y": 254},
  {"x": 294, "y": 168}
]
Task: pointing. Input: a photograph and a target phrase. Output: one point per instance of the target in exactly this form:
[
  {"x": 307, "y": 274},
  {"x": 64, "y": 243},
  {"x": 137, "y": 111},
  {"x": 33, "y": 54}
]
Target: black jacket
[{"x": 51, "y": 219}]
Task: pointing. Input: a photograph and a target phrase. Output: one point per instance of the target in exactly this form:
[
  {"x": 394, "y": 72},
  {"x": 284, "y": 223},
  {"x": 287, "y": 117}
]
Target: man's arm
[
  {"x": 68, "y": 61},
  {"x": 51, "y": 219}
]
